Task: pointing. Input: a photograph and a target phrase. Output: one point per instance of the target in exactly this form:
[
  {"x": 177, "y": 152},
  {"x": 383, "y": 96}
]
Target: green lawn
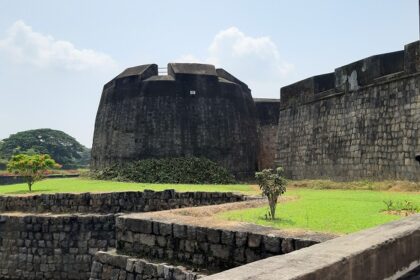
[
  {"x": 77, "y": 185},
  {"x": 335, "y": 211}
]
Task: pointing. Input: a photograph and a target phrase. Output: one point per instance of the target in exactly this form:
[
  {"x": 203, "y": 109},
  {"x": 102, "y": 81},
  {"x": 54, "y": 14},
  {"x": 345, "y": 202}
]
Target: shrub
[
  {"x": 185, "y": 170},
  {"x": 273, "y": 184}
]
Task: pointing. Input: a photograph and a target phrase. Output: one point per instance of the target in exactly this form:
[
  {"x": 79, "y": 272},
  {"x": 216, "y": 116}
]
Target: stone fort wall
[
  {"x": 195, "y": 110},
  {"x": 362, "y": 121},
  {"x": 268, "y": 120}
]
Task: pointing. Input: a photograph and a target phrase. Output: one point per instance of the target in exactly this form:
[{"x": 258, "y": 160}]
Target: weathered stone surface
[
  {"x": 204, "y": 247},
  {"x": 48, "y": 246},
  {"x": 213, "y": 235},
  {"x": 207, "y": 113},
  {"x": 254, "y": 240},
  {"x": 114, "y": 202},
  {"x": 54, "y": 246},
  {"x": 365, "y": 126},
  {"x": 384, "y": 252},
  {"x": 220, "y": 251},
  {"x": 272, "y": 244},
  {"x": 105, "y": 266},
  {"x": 268, "y": 119}
]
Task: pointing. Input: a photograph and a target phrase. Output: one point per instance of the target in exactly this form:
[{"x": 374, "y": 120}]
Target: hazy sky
[{"x": 55, "y": 55}]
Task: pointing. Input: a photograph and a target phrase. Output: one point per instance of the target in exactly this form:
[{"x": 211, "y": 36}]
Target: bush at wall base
[{"x": 182, "y": 170}]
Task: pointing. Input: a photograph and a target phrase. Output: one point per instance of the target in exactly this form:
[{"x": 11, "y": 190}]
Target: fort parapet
[{"x": 361, "y": 121}]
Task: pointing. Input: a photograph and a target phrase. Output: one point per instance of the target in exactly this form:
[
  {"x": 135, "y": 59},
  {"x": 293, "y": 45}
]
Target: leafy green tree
[
  {"x": 272, "y": 184},
  {"x": 32, "y": 167},
  {"x": 62, "y": 147}
]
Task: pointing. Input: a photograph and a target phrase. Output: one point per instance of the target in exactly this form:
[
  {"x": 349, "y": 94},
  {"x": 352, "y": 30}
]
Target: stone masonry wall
[
  {"x": 114, "y": 202},
  {"x": 370, "y": 133},
  {"x": 268, "y": 119},
  {"x": 199, "y": 246},
  {"x": 195, "y": 110},
  {"x": 108, "y": 265},
  {"x": 52, "y": 247},
  {"x": 366, "y": 125}
]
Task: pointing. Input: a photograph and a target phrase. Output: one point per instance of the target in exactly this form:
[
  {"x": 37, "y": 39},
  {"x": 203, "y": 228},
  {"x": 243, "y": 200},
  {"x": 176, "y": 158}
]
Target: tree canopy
[
  {"x": 63, "y": 148},
  {"x": 32, "y": 167}
]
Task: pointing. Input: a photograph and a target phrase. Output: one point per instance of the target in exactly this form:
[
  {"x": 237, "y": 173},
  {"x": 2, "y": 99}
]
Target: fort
[
  {"x": 195, "y": 110},
  {"x": 359, "y": 122}
]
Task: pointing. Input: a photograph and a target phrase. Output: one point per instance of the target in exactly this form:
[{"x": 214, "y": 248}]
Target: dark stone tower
[{"x": 195, "y": 110}]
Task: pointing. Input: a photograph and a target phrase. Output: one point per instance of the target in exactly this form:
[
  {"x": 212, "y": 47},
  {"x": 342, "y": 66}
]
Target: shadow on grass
[
  {"x": 27, "y": 191},
  {"x": 288, "y": 222}
]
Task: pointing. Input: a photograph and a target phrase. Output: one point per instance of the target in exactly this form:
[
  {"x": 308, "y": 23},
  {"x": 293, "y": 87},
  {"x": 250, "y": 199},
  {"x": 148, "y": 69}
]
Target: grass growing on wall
[
  {"x": 78, "y": 185},
  {"x": 335, "y": 211}
]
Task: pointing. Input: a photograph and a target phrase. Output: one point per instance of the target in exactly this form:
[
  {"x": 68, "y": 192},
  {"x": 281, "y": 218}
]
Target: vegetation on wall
[
  {"x": 185, "y": 170},
  {"x": 61, "y": 146}
]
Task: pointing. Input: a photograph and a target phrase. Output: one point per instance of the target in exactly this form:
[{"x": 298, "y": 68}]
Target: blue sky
[{"x": 55, "y": 56}]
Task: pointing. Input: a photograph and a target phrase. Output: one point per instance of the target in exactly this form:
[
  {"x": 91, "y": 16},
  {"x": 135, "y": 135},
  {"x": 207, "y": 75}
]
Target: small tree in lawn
[
  {"x": 273, "y": 184},
  {"x": 32, "y": 167}
]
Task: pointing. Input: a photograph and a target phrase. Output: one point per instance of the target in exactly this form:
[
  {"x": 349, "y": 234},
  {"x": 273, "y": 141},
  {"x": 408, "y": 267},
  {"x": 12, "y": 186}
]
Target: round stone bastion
[{"x": 192, "y": 110}]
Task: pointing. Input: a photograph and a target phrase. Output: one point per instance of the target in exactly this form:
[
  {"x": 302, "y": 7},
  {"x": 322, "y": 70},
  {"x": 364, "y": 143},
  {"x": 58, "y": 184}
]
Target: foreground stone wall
[
  {"x": 362, "y": 121},
  {"x": 62, "y": 246},
  {"x": 52, "y": 247},
  {"x": 199, "y": 246},
  {"x": 114, "y": 202},
  {"x": 109, "y": 265},
  {"x": 384, "y": 252}
]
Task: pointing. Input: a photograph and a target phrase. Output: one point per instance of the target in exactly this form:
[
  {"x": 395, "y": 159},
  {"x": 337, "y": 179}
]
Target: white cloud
[
  {"x": 254, "y": 60},
  {"x": 22, "y": 45}
]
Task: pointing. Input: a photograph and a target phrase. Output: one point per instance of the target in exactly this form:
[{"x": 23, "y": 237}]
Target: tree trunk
[{"x": 273, "y": 203}]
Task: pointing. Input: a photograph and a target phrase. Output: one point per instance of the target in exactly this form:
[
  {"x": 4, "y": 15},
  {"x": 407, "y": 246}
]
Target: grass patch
[
  {"x": 79, "y": 185},
  {"x": 334, "y": 211}
]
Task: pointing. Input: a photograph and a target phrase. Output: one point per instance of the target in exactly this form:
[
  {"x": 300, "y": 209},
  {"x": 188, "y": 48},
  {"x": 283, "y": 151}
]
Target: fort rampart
[{"x": 360, "y": 122}]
